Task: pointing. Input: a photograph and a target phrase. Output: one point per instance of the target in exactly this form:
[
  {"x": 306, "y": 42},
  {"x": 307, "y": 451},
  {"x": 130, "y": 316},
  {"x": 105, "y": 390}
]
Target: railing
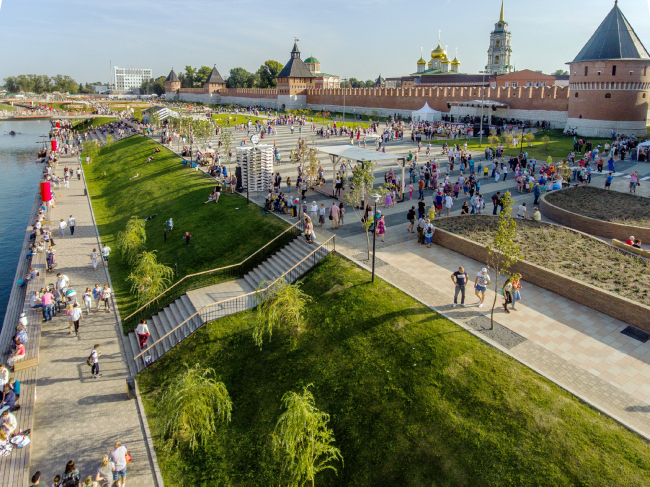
[
  {"x": 213, "y": 276},
  {"x": 213, "y": 311}
]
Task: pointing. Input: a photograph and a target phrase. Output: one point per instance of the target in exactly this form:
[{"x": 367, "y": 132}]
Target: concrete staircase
[{"x": 185, "y": 307}]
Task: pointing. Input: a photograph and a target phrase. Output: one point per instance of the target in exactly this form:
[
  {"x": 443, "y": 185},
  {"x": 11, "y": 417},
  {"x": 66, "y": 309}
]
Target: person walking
[
  {"x": 495, "y": 201},
  {"x": 634, "y": 181},
  {"x": 71, "y": 224},
  {"x": 341, "y": 213},
  {"x": 95, "y": 353},
  {"x": 142, "y": 330},
  {"x": 87, "y": 298},
  {"x": 106, "y": 251},
  {"x": 48, "y": 305},
  {"x": 481, "y": 283},
  {"x": 76, "y": 315},
  {"x": 507, "y": 293},
  {"x": 449, "y": 202},
  {"x": 429, "y": 230},
  {"x": 516, "y": 286},
  {"x": 313, "y": 212},
  {"x": 334, "y": 215},
  {"x": 71, "y": 475},
  {"x": 410, "y": 216},
  {"x": 104, "y": 473},
  {"x": 94, "y": 255},
  {"x": 118, "y": 457},
  {"x": 97, "y": 295},
  {"x": 62, "y": 225},
  {"x": 608, "y": 181},
  {"x": 106, "y": 297},
  {"x": 381, "y": 227},
  {"x": 459, "y": 278}
]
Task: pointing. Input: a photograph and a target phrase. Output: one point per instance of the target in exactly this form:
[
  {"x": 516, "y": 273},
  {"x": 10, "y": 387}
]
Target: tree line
[
  {"x": 40, "y": 83},
  {"x": 264, "y": 77}
]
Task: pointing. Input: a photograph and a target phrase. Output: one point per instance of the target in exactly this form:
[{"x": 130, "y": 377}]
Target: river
[{"x": 19, "y": 178}]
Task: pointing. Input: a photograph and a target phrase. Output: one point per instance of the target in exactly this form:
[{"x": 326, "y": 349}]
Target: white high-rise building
[
  {"x": 129, "y": 79},
  {"x": 257, "y": 166}
]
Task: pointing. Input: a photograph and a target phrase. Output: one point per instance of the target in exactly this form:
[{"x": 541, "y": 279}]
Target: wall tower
[{"x": 500, "y": 52}]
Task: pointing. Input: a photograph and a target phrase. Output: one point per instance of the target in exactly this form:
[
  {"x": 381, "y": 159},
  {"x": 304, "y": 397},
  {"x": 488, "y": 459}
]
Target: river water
[{"x": 19, "y": 178}]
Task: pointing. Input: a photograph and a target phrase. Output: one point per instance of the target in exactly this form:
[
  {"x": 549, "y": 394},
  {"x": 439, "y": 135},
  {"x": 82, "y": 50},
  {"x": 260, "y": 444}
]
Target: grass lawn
[
  {"x": 601, "y": 204},
  {"x": 558, "y": 148},
  {"x": 221, "y": 235},
  {"x": 567, "y": 252},
  {"x": 7, "y": 106},
  {"x": 414, "y": 400},
  {"x": 86, "y": 124},
  {"x": 222, "y": 119}
]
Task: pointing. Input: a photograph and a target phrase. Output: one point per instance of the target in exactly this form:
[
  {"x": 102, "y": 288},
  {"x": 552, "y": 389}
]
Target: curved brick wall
[
  {"x": 591, "y": 226},
  {"x": 611, "y": 304}
]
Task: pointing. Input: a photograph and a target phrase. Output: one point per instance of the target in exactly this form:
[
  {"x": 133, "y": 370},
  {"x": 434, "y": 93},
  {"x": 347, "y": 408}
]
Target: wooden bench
[
  {"x": 629, "y": 248},
  {"x": 15, "y": 468}
]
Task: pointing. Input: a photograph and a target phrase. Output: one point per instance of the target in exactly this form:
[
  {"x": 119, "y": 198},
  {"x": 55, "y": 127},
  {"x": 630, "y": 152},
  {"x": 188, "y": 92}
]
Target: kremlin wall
[{"x": 609, "y": 87}]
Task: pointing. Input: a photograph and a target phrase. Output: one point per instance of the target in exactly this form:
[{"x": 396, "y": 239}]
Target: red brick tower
[{"x": 610, "y": 81}]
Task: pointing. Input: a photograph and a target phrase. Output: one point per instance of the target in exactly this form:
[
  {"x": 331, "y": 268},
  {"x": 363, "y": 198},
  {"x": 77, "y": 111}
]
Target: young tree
[
  {"x": 225, "y": 137},
  {"x": 90, "y": 149},
  {"x": 304, "y": 437},
  {"x": 280, "y": 307},
  {"x": 361, "y": 185},
  {"x": 529, "y": 139},
  {"x": 545, "y": 141},
  {"x": 131, "y": 241},
  {"x": 310, "y": 157},
  {"x": 510, "y": 139},
  {"x": 189, "y": 409},
  {"x": 494, "y": 141},
  {"x": 503, "y": 252},
  {"x": 149, "y": 277}
]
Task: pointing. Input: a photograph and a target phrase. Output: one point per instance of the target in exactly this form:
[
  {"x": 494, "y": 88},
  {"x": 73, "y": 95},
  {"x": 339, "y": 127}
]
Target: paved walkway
[{"x": 77, "y": 417}]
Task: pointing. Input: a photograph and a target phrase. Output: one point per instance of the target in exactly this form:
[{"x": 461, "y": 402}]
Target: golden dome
[
  {"x": 421, "y": 62},
  {"x": 455, "y": 62},
  {"x": 438, "y": 52},
  {"x": 445, "y": 59}
]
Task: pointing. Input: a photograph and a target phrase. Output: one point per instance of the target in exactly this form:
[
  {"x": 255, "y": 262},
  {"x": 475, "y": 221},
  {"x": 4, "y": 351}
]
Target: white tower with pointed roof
[{"x": 500, "y": 52}]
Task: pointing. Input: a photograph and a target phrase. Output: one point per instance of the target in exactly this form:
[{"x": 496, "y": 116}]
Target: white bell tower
[{"x": 500, "y": 52}]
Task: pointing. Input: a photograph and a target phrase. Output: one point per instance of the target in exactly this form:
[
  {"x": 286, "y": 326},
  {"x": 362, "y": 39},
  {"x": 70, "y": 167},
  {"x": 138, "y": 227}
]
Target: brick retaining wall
[
  {"x": 591, "y": 226},
  {"x": 611, "y": 304}
]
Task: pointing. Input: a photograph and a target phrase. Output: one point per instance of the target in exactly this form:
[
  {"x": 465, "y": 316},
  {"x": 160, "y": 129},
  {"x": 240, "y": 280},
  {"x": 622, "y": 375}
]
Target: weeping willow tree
[
  {"x": 109, "y": 140},
  {"x": 279, "y": 306},
  {"x": 131, "y": 241},
  {"x": 303, "y": 436},
  {"x": 191, "y": 406},
  {"x": 149, "y": 277},
  {"x": 90, "y": 149}
]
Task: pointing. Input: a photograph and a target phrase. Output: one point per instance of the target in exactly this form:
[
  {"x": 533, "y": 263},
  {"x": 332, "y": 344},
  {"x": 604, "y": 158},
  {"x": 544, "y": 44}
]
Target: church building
[{"x": 499, "y": 52}]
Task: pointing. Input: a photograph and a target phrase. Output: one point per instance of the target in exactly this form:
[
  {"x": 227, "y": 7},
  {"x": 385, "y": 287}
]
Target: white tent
[
  {"x": 642, "y": 146},
  {"x": 426, "y": 114}
]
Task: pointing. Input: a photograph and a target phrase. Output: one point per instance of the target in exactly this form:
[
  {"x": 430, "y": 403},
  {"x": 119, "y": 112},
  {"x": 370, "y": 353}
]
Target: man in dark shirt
[
  {"x": 410, "y": 216},
  {"x": 422, "y": 208},
  {"x": 496, "y": 199},
  {"x": 459, "y": 278}
]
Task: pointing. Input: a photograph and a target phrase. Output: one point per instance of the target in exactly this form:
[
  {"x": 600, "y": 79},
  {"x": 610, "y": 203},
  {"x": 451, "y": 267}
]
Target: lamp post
[
  {"x": 480, "y": 135},
  {"x": 344, "y": 80},
  {"x": 375, "y": 197}
]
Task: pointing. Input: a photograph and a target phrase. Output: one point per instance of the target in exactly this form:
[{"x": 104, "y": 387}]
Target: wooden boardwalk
[{"x": 14, "y": 469}]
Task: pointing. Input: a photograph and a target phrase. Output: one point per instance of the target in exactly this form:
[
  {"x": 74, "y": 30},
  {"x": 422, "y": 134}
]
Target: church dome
[
  {"x": 455, "y": 62},
  {"x": 438, "y": 52},
  {"x": 311, "y": 60},
  {"x": 445, "y": 59},
  {"x": 421, "y": 61}
]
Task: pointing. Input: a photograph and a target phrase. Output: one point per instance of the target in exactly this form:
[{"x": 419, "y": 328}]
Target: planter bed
[
  {"x": 564, "y": 261},
  {"x": 609, "y": 214}
]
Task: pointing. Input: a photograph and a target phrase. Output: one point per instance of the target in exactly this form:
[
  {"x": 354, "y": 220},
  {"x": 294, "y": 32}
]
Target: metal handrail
[
  {"x": 333, "y": 237},
  {"x": 211, "y": 270}
]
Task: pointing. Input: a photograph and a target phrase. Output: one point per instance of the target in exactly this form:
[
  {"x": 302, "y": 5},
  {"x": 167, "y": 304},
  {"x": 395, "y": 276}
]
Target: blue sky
[{"x": 360, "y": 38}]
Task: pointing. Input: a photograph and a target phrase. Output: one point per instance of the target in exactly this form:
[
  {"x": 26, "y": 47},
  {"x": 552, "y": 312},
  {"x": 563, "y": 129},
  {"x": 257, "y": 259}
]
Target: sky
[{"x": 360, "y": 38}]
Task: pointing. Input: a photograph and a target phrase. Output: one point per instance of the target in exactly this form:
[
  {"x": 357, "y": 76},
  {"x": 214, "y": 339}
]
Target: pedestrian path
[{"x": 76, "y": 417}]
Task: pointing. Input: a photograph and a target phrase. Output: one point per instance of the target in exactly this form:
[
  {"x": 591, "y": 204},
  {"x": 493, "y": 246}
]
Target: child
[
  {"x": 486, "y": 171},
  {"x": 94, "y": 357},
  {"x": 187, "y": 238},
  {"x": 411, "y": 190},
  {"x": 88, "y": 300},
  {"x": 57, "y": 481},
  {"x": 321, "y": 215}
]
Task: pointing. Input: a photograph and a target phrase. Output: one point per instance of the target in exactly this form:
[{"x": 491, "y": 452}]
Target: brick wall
[
  {"x": 591, "y": 226},
  {"x": 545, "y": 98},
  {"x": 613, "y": 305},
  {"x": 256, "y": 93}
]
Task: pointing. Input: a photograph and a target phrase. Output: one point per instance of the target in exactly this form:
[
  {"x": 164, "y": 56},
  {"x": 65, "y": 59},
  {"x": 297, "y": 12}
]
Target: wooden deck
[{"x": 14, "y": 469}]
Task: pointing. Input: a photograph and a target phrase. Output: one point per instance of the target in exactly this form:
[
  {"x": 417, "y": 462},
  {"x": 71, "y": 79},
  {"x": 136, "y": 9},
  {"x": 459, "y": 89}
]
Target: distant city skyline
[{"x": 361, "y": 39}]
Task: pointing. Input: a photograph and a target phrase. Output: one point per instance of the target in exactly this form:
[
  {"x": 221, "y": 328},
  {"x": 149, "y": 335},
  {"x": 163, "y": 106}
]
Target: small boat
[{"x": 12, "y": 133}]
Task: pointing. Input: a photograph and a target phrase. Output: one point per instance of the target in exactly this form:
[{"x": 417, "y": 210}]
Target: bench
[
  {"x": 629, "y": 248},
  {"x": 15, "y": 468}
]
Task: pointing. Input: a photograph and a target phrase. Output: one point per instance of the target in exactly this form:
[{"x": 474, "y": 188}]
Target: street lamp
[
  {"x": 375, "y": 197},
  {"x": 344, "y": 79},
  {"x": 480, "y": 135}
]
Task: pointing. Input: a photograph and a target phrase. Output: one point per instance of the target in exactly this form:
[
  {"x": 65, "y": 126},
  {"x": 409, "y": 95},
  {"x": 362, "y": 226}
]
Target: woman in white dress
[{"x": 93, "y": 258}]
